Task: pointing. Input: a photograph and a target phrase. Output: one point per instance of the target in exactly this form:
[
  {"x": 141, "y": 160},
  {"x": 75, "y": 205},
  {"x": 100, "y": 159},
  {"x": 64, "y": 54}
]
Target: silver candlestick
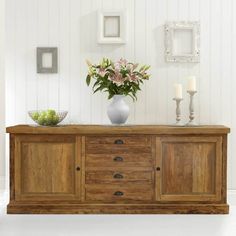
[
  {"x": 178, "y": 111},
  {"x": 191, "y": 109}
]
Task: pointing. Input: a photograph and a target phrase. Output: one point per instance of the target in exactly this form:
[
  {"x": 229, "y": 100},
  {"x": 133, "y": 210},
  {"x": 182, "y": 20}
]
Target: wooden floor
[{"x": 114, "y": 225}]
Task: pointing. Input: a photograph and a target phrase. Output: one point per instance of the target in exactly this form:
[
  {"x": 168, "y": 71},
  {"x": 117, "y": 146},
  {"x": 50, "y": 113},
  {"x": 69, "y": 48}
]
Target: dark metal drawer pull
[
  {"x": 118, "y": 193},
  {"x": 118, "y": 159},
  {"x": 118, "y": 176},
  {"x": 78, "y": 168},
  {"x": 119, "y": 141},
  {"x": 158, "y": 168}
]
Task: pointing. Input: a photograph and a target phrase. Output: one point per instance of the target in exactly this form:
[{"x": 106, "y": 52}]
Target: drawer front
[
  {"x": 119, "y": 160},
  {"x": 119, "y": 140},
  {"x": 105, "y": 144},
  {"x": 119, "y": 194},
  {"x": 118, "y": 177}
]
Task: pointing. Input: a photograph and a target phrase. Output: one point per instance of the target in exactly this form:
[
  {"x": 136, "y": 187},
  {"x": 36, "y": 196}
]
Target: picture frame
[
  {"x": 47, "y": 60},
  {"x": 182, "y": 41},
  {"x": 111, "y": 27}
]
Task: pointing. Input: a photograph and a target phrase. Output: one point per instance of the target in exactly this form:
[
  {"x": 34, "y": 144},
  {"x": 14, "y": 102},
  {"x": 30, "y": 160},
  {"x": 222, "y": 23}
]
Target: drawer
[
  {"x": 116, "y": 144},
  {"x": 118, "y": 177},
  {"x": 119, "y": 160},
  {"x": 119, "y": 194},
  {"x": 119, "y": 140}
]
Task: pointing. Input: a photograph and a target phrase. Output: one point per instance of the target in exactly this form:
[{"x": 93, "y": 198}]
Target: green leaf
[
  {"x": 111, "y": 71},
  {"x": 142, "y": 67},
  {"x": 132, "y": 97},
  {"x": 110, "y": 95},
  {"x": 95, "y": 84},
  {"x": 97, "y": 89},
  {"x": 102, "y": 83},
  {"x": 88, "y": 79}
]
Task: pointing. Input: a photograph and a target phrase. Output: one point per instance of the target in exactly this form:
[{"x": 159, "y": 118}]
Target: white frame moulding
[{"x": 121, "y": 38}]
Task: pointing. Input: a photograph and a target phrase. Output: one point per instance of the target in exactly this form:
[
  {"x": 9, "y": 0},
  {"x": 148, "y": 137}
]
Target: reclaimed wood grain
[
  {"x": 118, "y": 176},
  {"x": 47, "y": 167},
  {"x": 118, "y": 209},
  {"x": 119, "y": 193},
  {"x": 140, "y": 171},
  {"x": 125, "y": 160},
  {"x": 191, "y": 169},
  {"x": 113, "y": 130}
]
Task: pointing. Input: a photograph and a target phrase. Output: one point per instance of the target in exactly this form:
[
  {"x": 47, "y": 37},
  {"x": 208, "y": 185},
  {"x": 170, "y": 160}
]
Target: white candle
[
  {"x": 178, "y": 91},
  {"x": 191, "y": 83}
]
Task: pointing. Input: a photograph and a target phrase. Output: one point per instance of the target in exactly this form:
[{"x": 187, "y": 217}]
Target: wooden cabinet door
[
  {"x": 46, "y": 167},
  {"x": 189, "y": 169}
]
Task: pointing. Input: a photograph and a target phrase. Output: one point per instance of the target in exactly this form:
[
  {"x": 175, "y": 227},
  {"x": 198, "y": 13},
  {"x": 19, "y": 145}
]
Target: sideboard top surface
[{"x": 124, "y": 129}]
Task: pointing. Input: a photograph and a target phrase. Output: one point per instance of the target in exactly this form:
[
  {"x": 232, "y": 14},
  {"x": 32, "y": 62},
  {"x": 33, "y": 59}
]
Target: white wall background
[
  {"x": 2, "y": 93},
  {"x": 71, "y": 26}
]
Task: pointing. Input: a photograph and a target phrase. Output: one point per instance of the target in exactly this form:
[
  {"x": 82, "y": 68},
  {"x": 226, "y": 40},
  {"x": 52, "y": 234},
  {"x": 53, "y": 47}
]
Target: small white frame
[
  {"x": 111, "y": 36},
  {"x": 171, "y": 53}
]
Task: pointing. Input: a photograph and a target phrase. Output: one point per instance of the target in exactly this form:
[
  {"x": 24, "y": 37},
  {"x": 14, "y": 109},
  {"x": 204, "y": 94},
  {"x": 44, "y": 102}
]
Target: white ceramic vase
[{"x": 118, "y": 110}]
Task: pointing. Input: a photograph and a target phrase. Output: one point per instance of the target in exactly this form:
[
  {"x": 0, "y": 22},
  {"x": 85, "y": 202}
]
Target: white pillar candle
[
  {"x": 178, "y": 91},
  {"x": 191, "y": 83}
]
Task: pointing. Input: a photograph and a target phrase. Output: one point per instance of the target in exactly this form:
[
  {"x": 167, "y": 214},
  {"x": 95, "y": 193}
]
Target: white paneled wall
[
  {"x": 2, "y": 93},
  {"x": 71, "y": 26}
]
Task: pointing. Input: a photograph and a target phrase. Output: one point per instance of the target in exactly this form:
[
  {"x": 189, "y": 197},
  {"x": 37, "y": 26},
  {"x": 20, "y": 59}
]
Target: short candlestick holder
[
  {"x": 178, "y": 112},
  {"x": 191, "y": 109}
]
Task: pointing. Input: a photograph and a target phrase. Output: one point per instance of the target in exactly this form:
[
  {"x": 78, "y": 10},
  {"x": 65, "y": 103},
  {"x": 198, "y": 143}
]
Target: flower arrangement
[{"x": 119, "y": 78}]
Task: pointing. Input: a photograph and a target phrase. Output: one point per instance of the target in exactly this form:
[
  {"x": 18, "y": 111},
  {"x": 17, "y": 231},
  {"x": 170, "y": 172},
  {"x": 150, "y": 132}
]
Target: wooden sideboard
[{"x": 143, "y": 169}]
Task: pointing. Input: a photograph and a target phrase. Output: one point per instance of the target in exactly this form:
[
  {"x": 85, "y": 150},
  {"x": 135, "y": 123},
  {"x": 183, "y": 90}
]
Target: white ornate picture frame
[
  {"x": 182, "y": 41},
  {"x": 111, "y": 27}
]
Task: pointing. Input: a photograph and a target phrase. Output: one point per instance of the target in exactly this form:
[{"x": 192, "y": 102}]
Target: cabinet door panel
[
  {"x": 190, "y": 169},
  {"x": 47, "y": 167}
]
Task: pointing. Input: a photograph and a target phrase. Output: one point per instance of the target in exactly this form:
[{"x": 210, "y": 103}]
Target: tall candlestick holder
[
  {"x": 191, "y": 109},
  {"x": 178, "y": 112}
]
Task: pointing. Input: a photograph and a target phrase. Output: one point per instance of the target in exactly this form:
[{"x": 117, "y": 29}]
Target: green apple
[
  {"x": 49, "y": 119},
  {"x": 35, "y": 115},
  {"x": 51, "y": 112},
  {"x": 55, "y": 119},
  {"x": 42, "y": 114},
  {"x": 41, "y": 120}
]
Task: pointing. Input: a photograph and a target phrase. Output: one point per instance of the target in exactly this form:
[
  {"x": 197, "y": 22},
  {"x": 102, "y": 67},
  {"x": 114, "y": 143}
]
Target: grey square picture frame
[{"x": 54, "y": 65}]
